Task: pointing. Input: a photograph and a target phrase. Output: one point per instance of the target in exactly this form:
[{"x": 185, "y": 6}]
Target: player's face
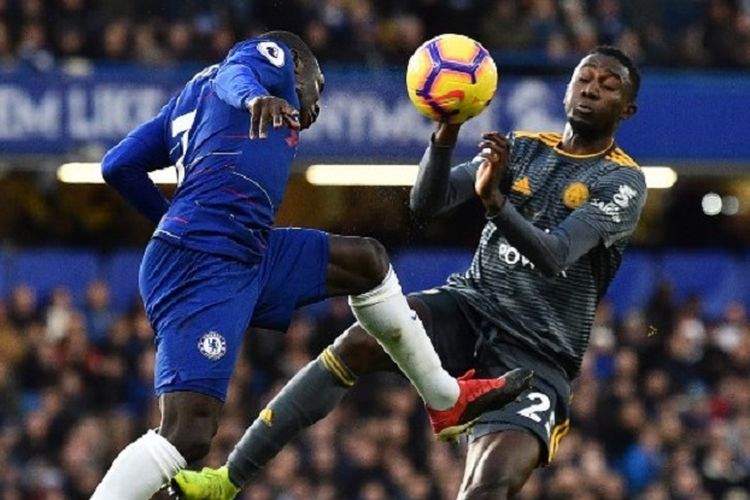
[
  {"x": 599, "y": 95},
  {"x": 310, "y": 83}
]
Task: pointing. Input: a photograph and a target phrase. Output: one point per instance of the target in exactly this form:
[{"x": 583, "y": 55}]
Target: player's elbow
[
  {"x": 549, "y": 266},
  {"x": 111, "y": 168},
  {"x": 550, "y": 270}
]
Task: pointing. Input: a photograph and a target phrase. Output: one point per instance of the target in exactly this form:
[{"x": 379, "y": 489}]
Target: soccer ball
[{"x": 451, "y": 78}]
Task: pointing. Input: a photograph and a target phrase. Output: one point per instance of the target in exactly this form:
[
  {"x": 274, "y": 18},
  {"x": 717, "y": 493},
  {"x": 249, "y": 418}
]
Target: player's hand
[
  {"x": 495, "y": 150},
  {"x": 270, "y": 109}
]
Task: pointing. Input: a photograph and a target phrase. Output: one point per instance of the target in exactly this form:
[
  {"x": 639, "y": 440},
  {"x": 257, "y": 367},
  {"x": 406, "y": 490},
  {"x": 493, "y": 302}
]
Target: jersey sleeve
[
  {"x": 252, "y": 69},
  {"x": 125, "y": 167},
  {"x": 615, "y": 204}
]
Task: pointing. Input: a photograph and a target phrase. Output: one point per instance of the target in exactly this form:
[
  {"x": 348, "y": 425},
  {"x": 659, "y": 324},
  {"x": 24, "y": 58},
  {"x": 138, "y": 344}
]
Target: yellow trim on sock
[{"x": 334, "y": 365}]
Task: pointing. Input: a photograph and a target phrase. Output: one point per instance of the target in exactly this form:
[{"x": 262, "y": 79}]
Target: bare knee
[
  {"x": 189, "y": 422},
  {"x": 360, "y": 352},
  {"x": 375, "y": 259},
  {"x": 355, "y": 265}
]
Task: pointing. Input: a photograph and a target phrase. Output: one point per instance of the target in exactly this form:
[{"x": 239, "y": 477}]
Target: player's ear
[
  {"x": 297, "y": 60},
  {"x": 629, "y": 110}
]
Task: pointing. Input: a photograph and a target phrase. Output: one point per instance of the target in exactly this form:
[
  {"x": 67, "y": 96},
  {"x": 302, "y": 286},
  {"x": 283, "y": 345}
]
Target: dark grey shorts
[{"x": 457, "y": 335}]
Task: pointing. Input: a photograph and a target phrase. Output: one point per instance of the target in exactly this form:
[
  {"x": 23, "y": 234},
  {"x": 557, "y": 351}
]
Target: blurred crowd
[
  {"x": 698, "y": 33},
  {"x": 661, "y": 410}
]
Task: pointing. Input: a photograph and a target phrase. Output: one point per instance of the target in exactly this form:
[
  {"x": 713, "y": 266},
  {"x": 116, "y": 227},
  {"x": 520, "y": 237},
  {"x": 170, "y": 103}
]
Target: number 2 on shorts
[{"x": 540, "y": 404}]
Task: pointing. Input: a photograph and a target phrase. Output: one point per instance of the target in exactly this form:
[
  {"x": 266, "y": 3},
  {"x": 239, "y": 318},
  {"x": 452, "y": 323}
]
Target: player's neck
[{"x": 577, "y": 144}]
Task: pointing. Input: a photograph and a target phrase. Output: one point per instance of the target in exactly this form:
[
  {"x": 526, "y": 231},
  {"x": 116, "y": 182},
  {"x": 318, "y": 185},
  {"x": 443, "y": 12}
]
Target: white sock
[
  {"x": 385, "y": 314},
  {"x": 141, "y": 469}
]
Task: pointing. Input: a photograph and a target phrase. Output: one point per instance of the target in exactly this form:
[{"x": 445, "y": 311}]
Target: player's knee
[
  {"x": 193, "y": 442},
  {"x": 359, "y": 351},
  {"x": 375, "y": 261},
  {"x": 190, "y": 427}
]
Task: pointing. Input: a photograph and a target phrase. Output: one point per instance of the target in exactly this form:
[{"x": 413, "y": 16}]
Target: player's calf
[{"x": 361, "y": 352}]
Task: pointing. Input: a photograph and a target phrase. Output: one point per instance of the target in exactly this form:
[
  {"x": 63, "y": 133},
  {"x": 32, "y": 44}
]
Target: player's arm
[
  {"x": 125, "y": 167},
  {"x": 251, "y": 77},
  {"x": 440, "y": 187},
  {"x": 610, "y": 214}
]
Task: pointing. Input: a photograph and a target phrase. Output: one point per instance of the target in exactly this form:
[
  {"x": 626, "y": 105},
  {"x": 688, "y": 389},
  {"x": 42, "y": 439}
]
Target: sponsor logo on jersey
[
  {"x": 512, "y": 257},
  {"x": 522, "y": 186},
  {"x": 213, "y": 346},
  {"x": 620, "y": 201},
  {"x": 575, "y": 195}
]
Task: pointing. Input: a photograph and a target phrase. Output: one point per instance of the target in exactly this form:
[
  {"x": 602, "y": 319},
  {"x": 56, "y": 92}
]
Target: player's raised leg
[{"x": 383, "y": 312}]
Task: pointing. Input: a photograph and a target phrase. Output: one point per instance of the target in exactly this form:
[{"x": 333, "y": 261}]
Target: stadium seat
[
  {"x": 420, "y": 269},
  {"x": 45, "y": 269},
  {"x": 634, "y": 283},
  {"x": 120, "y": 270},
  {"x": 714, "y": 276}
]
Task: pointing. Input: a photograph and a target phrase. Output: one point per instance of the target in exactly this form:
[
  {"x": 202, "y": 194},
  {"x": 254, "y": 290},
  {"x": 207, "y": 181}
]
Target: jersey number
[
  {"x": 540, "y": 404},
  {"x": 182, "y": 125}
]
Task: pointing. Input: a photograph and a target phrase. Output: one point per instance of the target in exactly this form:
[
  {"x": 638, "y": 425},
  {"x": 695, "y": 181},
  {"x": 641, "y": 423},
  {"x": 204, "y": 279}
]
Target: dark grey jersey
[{"x": 552, "y": 314}]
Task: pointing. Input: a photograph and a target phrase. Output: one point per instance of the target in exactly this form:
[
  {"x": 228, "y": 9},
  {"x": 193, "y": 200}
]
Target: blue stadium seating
[
  {"x": 120, "y": 269},
  {"x": 423, "y": 268},
  {"x": 718, "y": 277},
  {"x": 634, "y": 282},
  {"x": 45, "y": 269}
]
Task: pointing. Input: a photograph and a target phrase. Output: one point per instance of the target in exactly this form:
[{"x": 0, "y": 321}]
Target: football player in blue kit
[{"x": 215, "y": 265}]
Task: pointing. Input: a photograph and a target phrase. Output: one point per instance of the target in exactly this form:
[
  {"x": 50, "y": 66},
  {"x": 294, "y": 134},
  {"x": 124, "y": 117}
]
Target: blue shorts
[{"x": 200, "y": 305}]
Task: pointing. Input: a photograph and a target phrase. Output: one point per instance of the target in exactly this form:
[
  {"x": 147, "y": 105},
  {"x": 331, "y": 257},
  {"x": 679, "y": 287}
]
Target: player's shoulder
[
  {"x": 273, "y": 51},
  {"x": 618, "y": 166},
  {"x": 550, "y": 139},
  {"x": 530, "y": 144},
  {"x": 621, "y": 158}
]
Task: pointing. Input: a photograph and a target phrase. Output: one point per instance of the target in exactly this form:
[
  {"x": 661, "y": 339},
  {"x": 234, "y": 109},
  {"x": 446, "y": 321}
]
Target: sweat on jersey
[
  {"x": 229, "y": 187},
  {"x": 545, "y": 261}
]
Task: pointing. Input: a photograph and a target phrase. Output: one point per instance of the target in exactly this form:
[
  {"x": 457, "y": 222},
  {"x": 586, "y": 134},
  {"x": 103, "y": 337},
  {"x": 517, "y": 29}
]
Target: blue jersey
[{"x": 230, "y": 187}]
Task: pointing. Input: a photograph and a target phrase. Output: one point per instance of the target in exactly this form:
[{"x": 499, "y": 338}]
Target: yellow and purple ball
[{"x": 451, "y": 78}]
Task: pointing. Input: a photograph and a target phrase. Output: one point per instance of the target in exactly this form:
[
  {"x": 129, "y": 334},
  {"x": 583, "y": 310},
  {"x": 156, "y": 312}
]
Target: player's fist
[
  {"x": 269, "y": 109},
  {"x": 495, "y": 150}
]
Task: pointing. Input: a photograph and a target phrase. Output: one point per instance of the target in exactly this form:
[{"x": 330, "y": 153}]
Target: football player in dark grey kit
[{"x": 560, "y": 209}]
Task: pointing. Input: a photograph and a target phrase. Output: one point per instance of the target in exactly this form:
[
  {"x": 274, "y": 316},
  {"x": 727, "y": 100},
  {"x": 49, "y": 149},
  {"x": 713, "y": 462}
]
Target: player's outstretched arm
[
  {"x": 438, "y": 187},
  {"x": 125, "y": 167},
  {"x": 605, "y": 218}
]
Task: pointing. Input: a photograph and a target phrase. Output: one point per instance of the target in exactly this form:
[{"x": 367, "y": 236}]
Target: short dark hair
[
  {"x": 294, "y": 42},
  {"x": 625, "y": 60}
]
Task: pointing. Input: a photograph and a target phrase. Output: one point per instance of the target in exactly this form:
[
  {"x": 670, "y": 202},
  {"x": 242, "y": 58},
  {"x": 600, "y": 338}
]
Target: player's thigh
[
  {"x": 542, "y": 411},
  {"x": 498, "y": 465},
  {"x": 199, "y": 306},
  {"x": 451, "y": 333},
  {"x": 293, "y": 273},
  {"x": 355, "y": 265}
]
